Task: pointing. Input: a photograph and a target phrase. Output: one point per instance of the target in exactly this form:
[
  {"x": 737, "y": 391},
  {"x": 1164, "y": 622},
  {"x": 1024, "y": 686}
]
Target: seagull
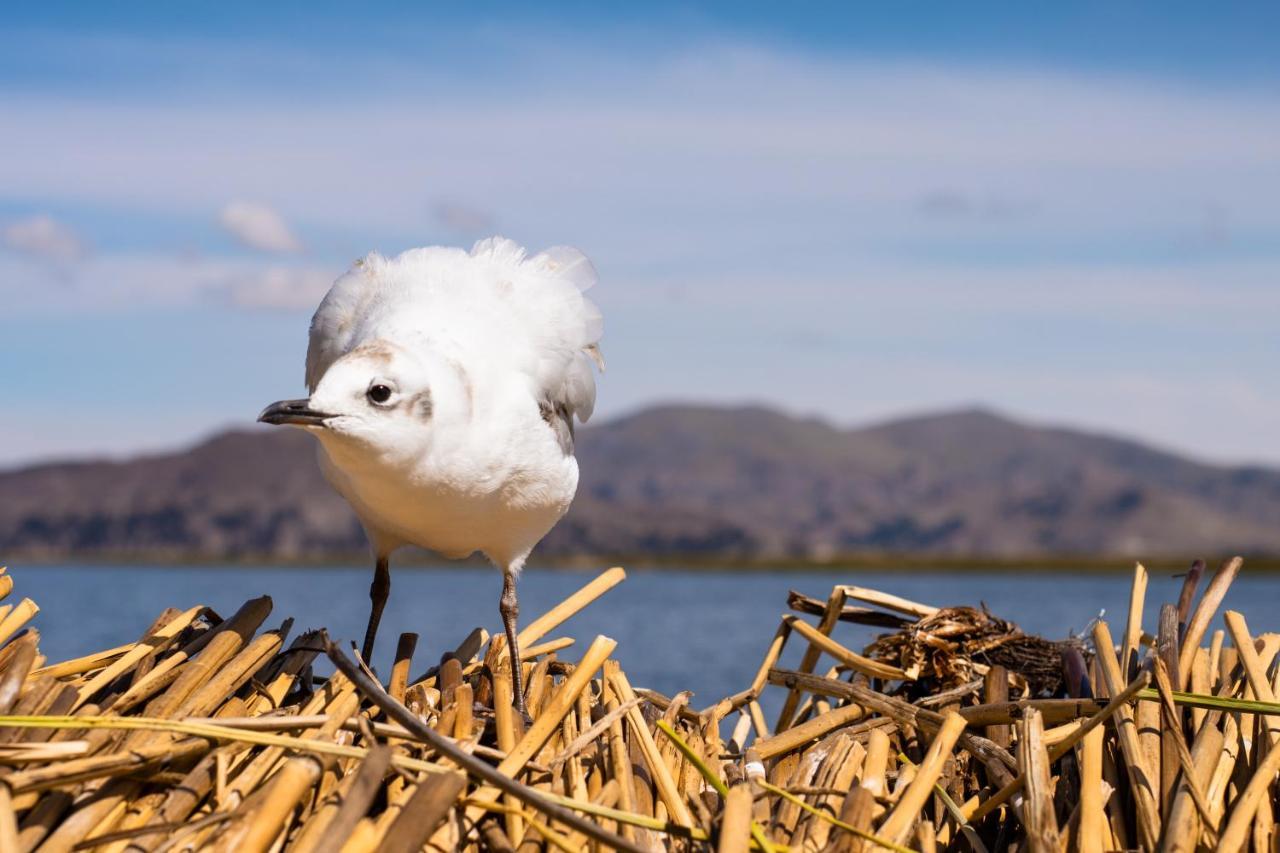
[{"x": 444, "y": 386}]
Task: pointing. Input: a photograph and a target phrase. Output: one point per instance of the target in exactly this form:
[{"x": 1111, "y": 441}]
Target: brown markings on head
[{"x": 379, "y": 352}]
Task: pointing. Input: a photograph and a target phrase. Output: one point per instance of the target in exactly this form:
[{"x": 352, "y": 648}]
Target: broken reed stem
[
  {"x": 1091, "y": 832},
  {"x": 17, "y": 617},
  {"x": 807, "y": 731},
  {"x": 80, "y": 665},
  {"x": 1141, "y": 779},
  {"x": 1133, "y": 626},
  {"x": 556, "y": 616},
  {"x": 1203, "y": 614},
  {"x": 853, "y": 660},
  {"x": 1037, "y": 808},
  {"x": 736, "y": 824},
  {"x": 889, "y": 602}
]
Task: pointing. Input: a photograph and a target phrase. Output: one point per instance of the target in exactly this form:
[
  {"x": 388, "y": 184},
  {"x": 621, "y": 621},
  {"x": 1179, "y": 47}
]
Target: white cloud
[
  {"x": 286, "y": 288},
  {"x": 46, "y": 238},
  {"x": 122, "y": 281},
  {"x": 258, "y": 227}
]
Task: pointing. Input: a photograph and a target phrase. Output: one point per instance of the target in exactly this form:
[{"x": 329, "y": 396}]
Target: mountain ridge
[{"x": 741, "y": 482}]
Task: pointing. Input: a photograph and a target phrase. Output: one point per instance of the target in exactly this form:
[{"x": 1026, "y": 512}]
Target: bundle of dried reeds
[{"x": 211, "y": 733}]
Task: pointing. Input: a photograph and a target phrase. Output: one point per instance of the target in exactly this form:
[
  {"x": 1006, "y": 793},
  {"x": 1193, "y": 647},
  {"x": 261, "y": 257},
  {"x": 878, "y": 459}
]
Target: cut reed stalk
[
  {"x": 1131, "y": 641},
  {"x": 736, "y": 824},
  {"x": 1204, "y": 612},
  {"x": 16, "y": 618},
  {"x": 856, "y": 662},
  {"x": 889, "y": 602},
  {"x": 1037, "y": 810},
  {"x": 808, "y": 731}
]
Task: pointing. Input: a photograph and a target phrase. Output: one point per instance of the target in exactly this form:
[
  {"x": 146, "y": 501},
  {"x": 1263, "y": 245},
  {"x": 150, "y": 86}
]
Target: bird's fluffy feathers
[{"x": 494, "y": 306}]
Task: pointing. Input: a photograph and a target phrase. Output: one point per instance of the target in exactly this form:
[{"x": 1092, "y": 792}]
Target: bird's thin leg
[
  {"x": 509, "y": 606},
  {"x": 378, "y": 592}
]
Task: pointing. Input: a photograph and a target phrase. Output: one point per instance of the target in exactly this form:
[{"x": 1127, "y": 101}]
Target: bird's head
[{"x": 379, "y": 398}]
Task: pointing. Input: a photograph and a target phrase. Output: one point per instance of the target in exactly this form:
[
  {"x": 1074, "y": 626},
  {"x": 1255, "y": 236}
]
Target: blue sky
[{"x": 1071, "y": 214}]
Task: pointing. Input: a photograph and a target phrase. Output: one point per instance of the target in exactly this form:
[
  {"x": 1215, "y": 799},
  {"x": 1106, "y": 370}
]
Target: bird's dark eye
[{"x": 378, "y": 394}]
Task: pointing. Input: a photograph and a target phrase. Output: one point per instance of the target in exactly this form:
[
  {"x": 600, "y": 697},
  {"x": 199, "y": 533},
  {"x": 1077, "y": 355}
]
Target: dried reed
[{"x": 954, "y": 731}]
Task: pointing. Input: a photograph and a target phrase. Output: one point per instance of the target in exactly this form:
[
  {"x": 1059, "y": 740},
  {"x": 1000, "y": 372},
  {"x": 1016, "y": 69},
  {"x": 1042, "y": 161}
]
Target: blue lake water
[{"x": 704, "y": 631}]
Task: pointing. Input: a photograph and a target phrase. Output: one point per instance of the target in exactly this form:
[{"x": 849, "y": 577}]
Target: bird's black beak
[{"x": 297, "y": 412}]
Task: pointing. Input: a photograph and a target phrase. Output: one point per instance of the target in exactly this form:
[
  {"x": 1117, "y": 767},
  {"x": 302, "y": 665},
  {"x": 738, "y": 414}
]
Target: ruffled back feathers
[{"x": 495, "y": 305}]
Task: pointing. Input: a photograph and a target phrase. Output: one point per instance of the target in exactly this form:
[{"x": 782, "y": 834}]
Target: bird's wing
[
  {"x": 554, "y": 333},
  {"x": 495, "y": 306}
]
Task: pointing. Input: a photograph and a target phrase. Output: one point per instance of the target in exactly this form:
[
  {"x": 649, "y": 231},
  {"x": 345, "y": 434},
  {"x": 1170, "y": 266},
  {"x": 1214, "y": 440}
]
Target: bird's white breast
[{"x": 498, "y": 494}]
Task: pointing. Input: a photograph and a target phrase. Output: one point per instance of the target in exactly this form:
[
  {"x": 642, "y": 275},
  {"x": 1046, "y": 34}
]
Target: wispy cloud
[
  {"x": 849, "y": 235},
  {"x": 258, "y": 226},
  {"x": 45, "y": 238},
  {"x": 131, "y": 281},
  {"x": 277, "y": 287},
  {"x": 949, "y": 204}
]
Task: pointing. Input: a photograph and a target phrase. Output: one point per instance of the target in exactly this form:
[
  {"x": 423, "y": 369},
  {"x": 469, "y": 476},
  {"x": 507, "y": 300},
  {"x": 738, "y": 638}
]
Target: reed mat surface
[{"x": 952, "y": 731}]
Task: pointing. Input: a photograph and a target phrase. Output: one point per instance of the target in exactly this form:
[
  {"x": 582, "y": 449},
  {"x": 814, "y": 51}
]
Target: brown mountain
[{"x": 698, "y": 481}]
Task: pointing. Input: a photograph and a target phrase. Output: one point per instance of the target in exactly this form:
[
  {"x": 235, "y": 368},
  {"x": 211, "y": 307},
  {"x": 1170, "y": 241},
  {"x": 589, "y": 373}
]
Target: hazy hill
[{"x": 698, "y": 481}]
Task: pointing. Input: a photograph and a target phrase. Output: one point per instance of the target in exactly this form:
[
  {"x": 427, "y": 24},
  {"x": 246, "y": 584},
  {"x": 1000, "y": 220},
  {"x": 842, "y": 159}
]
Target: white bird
[{"x": 443, "y": 391}]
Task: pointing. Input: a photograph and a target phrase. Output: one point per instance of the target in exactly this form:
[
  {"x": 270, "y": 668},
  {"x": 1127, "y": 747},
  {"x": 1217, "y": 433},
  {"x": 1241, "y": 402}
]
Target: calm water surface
[{"x": 704, "y": 631}]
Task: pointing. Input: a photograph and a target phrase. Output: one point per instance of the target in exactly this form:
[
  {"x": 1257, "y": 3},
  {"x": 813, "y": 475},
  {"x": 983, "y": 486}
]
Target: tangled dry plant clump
[
  {"x": 939, "y": 651},
  {"x": 953, "y": 731}
]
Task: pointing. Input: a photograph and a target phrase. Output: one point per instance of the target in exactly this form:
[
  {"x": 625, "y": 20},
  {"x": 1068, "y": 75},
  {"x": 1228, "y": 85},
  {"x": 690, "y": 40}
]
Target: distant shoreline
[{"x": 1037, "y": 563}]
